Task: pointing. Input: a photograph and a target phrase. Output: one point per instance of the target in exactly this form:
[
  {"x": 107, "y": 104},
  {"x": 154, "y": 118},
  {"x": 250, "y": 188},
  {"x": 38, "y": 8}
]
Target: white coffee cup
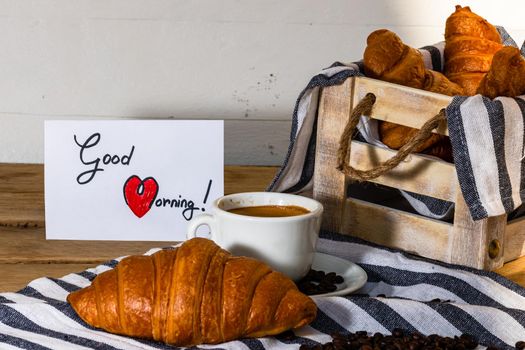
[{"x": 285, "y": 243}]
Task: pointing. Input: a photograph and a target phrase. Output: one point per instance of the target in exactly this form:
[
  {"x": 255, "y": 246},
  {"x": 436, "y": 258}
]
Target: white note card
[{"x": 139, "y": 180}]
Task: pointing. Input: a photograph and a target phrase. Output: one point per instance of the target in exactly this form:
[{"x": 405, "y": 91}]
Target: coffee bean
[
  {"x": 417, "y": 336},
  {"x": 337, "y": 335},
  {"x": 467, "y": 341},
  {"x": 414, "y": 346},
  {"x": 327, "y": 287},
  {"x": 319, "y": 276},
  {"x": 361, "y": 333},
  {"x": 339, "y": 342},
  {"x": 377, "y": 336},
  {"x": 400, "y": 340},
  {"x": 397, "y": 333},
  {"x": 328, "y": 346},
  {"x": 466, "y": 337},
  {"x": 319, "y": 282}
]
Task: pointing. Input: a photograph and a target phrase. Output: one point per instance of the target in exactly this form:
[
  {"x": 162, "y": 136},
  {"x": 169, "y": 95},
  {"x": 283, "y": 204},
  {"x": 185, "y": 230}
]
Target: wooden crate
[{"x": 484, "y": 244}]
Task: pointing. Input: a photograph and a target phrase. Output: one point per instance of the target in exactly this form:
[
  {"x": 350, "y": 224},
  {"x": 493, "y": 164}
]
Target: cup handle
[{"x": 202, "y": 219}]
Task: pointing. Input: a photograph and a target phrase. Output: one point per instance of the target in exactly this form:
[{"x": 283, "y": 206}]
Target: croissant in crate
[
  {"x": 195, "y": 294},
  {"x": 506, "y": 76},
  {"x": 387, "y": 58},
  {"x": 470, "y": 44}
]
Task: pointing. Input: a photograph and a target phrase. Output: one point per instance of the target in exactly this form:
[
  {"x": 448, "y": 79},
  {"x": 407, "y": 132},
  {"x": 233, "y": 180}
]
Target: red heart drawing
[{"x": 140, "y": 194}]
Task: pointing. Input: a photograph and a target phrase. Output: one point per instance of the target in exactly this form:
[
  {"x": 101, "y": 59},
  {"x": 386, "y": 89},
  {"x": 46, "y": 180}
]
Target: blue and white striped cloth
[
  {"x": 487, "y": 141},
  {"x": 401, "y": 292},
  {"x": 487, "y": 138}
]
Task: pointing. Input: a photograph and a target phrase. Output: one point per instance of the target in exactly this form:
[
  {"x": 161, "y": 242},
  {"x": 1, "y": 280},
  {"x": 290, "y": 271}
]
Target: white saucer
[{"x": 354, "y": 276}]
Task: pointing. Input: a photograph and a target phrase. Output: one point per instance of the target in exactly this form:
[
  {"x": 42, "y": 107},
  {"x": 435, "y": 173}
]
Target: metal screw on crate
[
  {"x": 286, "y": 243},
  {"x": 494, "y": 248}
]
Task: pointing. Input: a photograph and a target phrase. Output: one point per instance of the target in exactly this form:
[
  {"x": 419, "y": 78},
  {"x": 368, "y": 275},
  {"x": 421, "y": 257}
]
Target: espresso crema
[{"x": 272, "y": 211}]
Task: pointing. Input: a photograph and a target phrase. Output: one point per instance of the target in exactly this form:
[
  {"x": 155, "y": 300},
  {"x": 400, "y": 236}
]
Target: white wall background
[{"x": 244, "y": 61}]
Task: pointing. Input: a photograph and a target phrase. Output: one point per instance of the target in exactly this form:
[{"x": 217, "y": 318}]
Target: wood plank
[
  {"x": 416, "y": 108},
  {"x": 329, "y": 183},
  {"x": 514, "y": 270},
  {"x": 21, "y": 178},
  {"x": 514, "y": 239},
  {"x": 477, "y": 244},
  {"x": 247, "y": 179},
  {"x": 22, "y": 203},
  {"x": 21, "y": 209},
  {"x": 396, "y": 229},
  {"x": 21, "y": 195},
  {"x": 21, "y": 245},
  {"x": 16, "y": 276},
  {"x": 420, "y": 174}
]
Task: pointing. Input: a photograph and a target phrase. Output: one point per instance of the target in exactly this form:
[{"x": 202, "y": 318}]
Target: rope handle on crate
[{"x": 364, "y": 107}]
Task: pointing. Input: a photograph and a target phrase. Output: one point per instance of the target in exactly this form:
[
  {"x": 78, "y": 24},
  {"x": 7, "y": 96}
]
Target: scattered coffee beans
[
  {"x": 319, "y": 282},
  {"x": 399, "y": 340}
]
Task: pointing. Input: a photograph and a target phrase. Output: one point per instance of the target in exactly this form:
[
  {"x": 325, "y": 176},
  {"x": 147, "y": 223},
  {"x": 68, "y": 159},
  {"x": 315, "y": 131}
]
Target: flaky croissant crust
[
  {"x": 470, "y": 44},
  {"x": 387, "y": 58},
  {"x": 506, "y": 76},
  {"x": 195, "y": 294}
]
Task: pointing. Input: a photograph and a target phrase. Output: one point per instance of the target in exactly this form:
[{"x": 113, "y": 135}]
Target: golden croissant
[
  {"x": 387, "y": 58},
  {"x": 470, "y": 45},
  {"x": 195, "y": 294},
  {"x": 506, "y": 76}
]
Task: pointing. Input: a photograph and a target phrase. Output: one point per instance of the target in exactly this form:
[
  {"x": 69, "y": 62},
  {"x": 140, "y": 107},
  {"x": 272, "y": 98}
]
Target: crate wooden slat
[
  {"x": 470, "y": 241},
  {"x": 333, "y": 111},
  {"x": 395, "y": 228},
  {"x": 427, "y": 176},
  {"x": 514, "y": 240},
  {"x": 400, "y": 104},
  {"x": 484, "y": 244}
]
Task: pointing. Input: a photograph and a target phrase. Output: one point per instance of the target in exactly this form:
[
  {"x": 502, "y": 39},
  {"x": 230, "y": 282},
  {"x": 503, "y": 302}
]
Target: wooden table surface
[{"x": 25, "y": 254}]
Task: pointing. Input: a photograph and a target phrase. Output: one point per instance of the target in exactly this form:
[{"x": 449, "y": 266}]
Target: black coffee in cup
[{"x": 271, "y": 211}]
